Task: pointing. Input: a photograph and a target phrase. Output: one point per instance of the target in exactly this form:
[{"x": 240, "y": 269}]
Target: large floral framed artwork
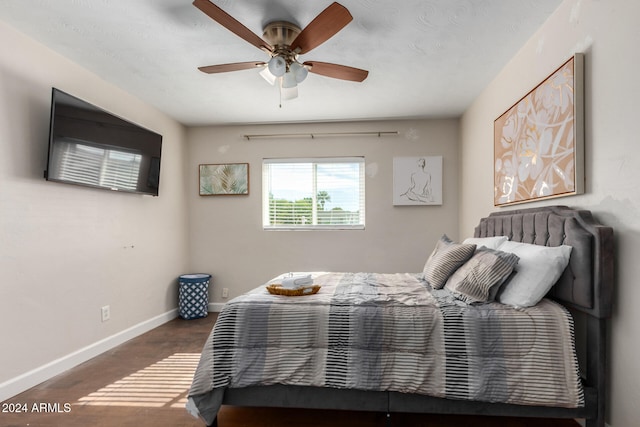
[{"x": 539, "y": 141}]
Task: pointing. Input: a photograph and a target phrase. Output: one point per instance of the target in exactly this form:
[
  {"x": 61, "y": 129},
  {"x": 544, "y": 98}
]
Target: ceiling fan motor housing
[{"x": 280, "y": 35}]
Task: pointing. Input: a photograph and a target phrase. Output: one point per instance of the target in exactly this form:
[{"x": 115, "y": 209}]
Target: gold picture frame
[
  {"x": 539, "y": 141},
  {"x": 224, "y": 179}
]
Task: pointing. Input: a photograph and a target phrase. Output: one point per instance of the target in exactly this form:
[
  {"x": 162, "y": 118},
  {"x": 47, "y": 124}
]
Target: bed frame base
[{"x": 280, "y": 396}]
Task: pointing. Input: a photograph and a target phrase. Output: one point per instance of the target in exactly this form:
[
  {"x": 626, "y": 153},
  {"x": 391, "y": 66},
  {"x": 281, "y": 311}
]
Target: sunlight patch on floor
[{"x": 164, "y": 383}]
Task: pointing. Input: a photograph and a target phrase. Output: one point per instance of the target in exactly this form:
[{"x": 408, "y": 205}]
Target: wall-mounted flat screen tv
[{"x": 92, "y": 147}]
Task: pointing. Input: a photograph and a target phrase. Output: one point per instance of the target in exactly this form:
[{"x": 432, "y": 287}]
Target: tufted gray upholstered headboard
[{"x": 587, "y": 282}]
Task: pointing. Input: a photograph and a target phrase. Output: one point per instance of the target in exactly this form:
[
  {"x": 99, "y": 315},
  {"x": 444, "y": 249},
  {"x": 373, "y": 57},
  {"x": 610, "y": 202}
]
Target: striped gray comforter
[{"x": 390, "y": 332}]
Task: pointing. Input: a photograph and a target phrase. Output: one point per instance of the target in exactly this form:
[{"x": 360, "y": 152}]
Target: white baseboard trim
[
  {"x": 36, "y": 376},
  {"x": 215, "y": 307}
]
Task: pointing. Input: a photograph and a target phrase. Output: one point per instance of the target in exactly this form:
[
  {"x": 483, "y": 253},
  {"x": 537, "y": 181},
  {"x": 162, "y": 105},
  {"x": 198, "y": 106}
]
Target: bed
[{"x": 426, "y": 342}]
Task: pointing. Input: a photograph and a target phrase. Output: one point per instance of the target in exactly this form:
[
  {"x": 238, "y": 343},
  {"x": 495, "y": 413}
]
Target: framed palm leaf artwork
[
  {"x": 539, "y": 141},
  {"x": 224, "y": 179}
]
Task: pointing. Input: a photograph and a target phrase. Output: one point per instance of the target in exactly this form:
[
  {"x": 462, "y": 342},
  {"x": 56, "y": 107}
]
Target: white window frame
[{"x": 314, "y": 161}]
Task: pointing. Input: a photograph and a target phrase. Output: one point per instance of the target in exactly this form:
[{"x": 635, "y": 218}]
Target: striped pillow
[
  {"x": 444, "y": 260},
  {"x": 478, "y": 279}
]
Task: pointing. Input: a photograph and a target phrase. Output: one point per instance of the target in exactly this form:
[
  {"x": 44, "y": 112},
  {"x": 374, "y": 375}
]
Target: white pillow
[
  {"x": 487, "y": 242},
  {"x": 538, "y": 270}
]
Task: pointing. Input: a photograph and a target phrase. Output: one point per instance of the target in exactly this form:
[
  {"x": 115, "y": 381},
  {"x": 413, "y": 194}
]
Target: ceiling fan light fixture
[
  {"x": 266, "y": 74},
  {"x": 289, "y": 80},
  {"x": 277, "y": 66},
  {"x": 288, "y": 93},
  {"x": 299, "y": 71}
]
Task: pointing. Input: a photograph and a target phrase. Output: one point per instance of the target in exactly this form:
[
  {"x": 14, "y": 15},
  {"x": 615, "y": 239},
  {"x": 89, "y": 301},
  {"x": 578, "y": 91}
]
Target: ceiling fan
[{"x": 284, "y": 41}]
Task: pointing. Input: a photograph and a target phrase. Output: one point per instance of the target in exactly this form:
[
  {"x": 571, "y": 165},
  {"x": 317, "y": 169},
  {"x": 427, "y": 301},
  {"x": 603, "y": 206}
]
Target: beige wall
[
  {"x": 607, "y": 32},
  {"x": 66, "y": 251},
  {"x": 226, "y": 235}
]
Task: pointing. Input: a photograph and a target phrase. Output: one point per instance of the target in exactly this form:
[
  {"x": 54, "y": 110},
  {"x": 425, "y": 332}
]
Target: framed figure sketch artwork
[{"x": 417, "y": 181}]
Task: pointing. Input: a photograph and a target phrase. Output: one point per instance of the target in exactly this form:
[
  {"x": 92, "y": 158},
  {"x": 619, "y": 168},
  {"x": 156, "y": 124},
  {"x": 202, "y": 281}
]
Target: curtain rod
[{"x": 320, "y": 135}]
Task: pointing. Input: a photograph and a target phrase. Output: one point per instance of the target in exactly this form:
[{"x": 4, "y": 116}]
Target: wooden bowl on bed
[{"x": 277, "y": 289}]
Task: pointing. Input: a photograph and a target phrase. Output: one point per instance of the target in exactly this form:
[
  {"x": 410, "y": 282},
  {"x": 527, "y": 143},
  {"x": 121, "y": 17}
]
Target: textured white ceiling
[{"x": 425, "y": 58}]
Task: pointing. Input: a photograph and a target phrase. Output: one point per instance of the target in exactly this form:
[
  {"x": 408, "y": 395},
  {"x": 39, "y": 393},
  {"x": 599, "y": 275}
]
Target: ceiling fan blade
[
  {"x": 336, "y": 71},
  {"x": 231, "y": 24},
  {"x": 322, "y": 28},
  {"x": 236, "y": 66}
]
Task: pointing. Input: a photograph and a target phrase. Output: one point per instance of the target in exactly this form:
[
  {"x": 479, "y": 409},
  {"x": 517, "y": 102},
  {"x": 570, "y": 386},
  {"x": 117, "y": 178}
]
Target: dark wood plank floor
[{"x": 144, "y": 382}]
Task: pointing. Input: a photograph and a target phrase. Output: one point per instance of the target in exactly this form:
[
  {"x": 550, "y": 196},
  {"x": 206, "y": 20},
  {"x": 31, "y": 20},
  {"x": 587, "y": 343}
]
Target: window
[{"x": 318, "y": 193}]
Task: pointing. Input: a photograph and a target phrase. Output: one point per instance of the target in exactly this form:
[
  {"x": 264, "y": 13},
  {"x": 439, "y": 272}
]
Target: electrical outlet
[
  {"x": 106, "y": 313},
  {"x": 225, "y": 292}
]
